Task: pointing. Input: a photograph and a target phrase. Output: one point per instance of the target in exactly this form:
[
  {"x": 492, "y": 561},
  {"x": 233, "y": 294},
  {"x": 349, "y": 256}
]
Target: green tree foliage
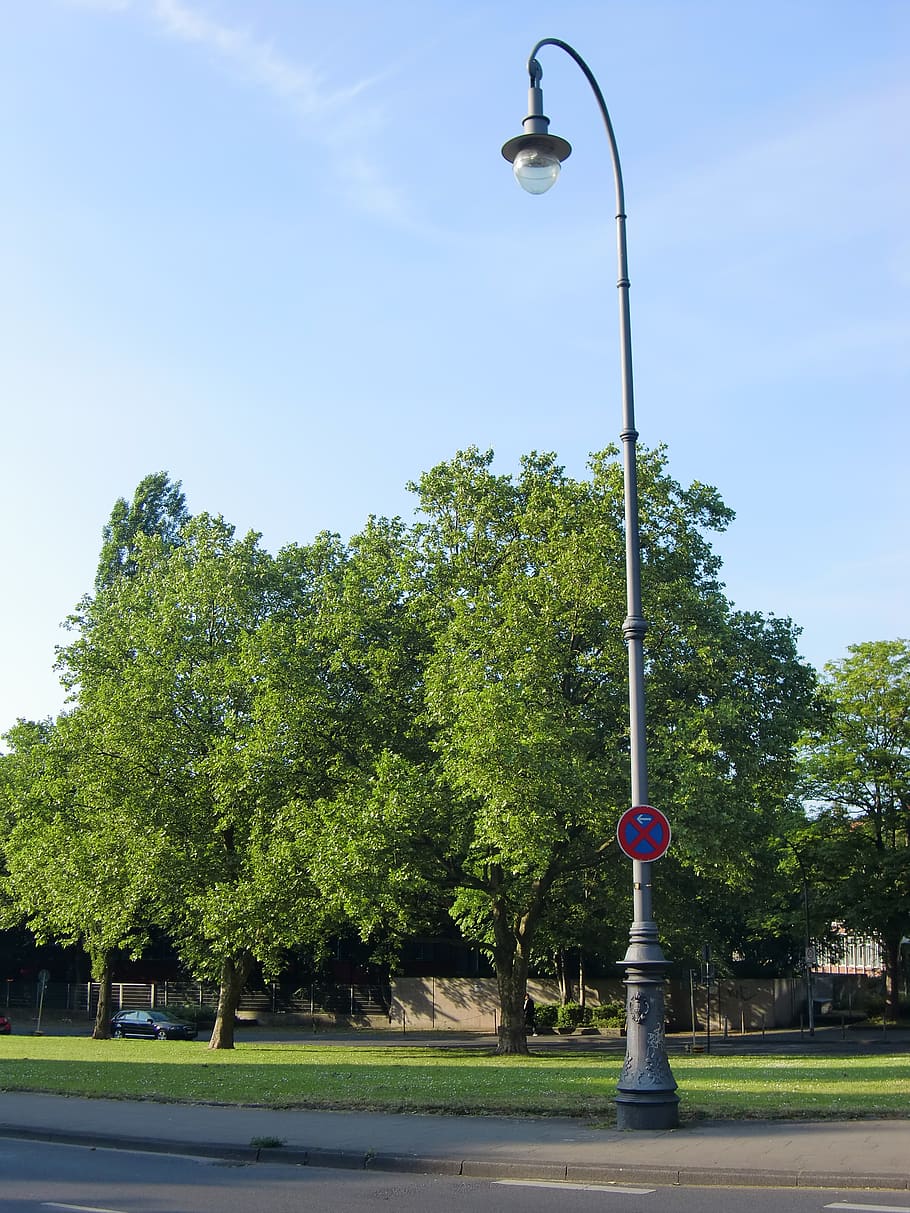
[
  {"x": 340, "y": 694},
  {"x": 522, "y": 769},
  {"x": 80, "y": 859},
  {"x": 158, "y": 508},
  {"x": 427, "y": 718},
  {"x": 166, "y": 665},
  {"x": 857, "y": 768}
]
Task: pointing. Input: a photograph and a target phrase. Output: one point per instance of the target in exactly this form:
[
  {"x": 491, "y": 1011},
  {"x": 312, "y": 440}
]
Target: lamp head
[
  {"x": 536, "y": 159},
  {"x": 536, "y": 155}
]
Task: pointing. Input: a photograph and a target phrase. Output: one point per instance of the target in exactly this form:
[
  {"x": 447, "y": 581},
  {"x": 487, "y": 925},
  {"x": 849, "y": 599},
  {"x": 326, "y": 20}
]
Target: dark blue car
[{"x": 155, "y": 1025}]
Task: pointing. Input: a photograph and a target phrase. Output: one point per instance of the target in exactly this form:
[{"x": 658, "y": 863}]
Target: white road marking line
[
  {"x": 53, "y": 1204},
  {"x": 842, "y": 1204},
  {"x": 563, "y": 1185}
]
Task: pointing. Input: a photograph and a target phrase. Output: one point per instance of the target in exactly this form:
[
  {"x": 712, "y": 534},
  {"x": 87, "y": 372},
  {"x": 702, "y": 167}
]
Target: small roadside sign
[
  {"x": 43, "y": 978},
  {"x": 643, "y": 833}
]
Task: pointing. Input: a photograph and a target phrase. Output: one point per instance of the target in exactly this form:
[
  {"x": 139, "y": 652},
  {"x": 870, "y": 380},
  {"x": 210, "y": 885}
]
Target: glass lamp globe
[{"x": 535, "y": 169}]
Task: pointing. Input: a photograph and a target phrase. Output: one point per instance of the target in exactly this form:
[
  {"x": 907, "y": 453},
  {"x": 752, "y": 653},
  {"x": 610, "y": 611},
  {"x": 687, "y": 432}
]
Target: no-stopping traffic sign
[{"x": 643, "y": 833}]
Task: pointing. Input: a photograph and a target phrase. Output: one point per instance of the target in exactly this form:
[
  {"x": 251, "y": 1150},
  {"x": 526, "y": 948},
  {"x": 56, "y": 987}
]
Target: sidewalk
[{"x": 832, "y": 1154}]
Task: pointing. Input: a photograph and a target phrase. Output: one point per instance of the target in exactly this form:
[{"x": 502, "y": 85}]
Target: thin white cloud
[
  {"x": 321, "y": 111},
  {"x": 306, "y": 94},
  {"x": 299, "y": 86}
]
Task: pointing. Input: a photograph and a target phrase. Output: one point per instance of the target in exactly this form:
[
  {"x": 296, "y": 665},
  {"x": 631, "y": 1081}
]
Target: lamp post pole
[
  {"x": 646, "y": 1091},
  {"x": 808, "y": 957}
]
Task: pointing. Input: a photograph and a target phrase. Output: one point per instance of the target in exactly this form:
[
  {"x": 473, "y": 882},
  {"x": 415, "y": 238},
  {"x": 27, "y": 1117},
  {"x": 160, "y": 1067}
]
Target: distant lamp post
[
  {"x": 646, "y": 1092},
  {"x": 809, "y": 956}
]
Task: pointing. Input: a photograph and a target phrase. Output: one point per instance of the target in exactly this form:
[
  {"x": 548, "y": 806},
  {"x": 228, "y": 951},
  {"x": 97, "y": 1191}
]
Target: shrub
[
  {"x": 192, "y": 1012},
  {"x": 571, "y": 1015},
  {"x": 546, "y": 1015},
  {"x": 609, "y": 1015}
]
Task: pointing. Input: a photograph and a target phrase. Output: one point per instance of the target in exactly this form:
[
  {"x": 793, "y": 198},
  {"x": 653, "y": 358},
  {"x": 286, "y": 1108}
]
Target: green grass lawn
[{"x": 428, "y": 1079}]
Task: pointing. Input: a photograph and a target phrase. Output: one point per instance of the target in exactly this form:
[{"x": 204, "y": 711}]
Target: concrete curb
[{"x": 473, "y": 1168}]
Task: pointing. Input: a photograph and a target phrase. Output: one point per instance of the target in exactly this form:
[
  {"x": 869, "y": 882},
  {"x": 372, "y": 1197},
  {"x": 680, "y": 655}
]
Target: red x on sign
[{"x": 643, "y": 833}]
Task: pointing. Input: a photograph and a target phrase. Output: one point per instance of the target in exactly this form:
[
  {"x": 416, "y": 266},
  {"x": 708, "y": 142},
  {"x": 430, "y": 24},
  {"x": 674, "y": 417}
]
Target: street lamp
[
  {"x": 646, "y": 1091},
  {"x": 808, "y": 950}
]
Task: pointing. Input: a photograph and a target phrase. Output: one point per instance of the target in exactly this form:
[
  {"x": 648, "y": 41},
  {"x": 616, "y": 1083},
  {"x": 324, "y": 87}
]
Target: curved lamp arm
[{"x": 536, "y": 156}]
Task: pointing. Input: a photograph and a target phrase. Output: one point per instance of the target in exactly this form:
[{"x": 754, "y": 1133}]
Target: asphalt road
[{"x": 37, "y": 1177}]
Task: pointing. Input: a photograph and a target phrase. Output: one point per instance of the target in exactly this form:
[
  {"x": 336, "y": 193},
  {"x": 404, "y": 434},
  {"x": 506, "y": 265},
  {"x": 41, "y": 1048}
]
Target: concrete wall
[
  {"x": 747, "y": 1005},
  {"x": 472, "y": 1004}
]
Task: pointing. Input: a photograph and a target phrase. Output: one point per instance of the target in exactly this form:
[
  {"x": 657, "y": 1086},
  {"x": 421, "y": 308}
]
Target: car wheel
[
  {"x": 117, "y": 1033},
  {"x": 161, "y": 1034}
]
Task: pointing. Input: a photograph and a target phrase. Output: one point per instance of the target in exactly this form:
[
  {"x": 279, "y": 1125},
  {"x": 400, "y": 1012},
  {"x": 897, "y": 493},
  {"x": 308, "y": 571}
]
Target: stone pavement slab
[{"x": 845, "y": 1154}]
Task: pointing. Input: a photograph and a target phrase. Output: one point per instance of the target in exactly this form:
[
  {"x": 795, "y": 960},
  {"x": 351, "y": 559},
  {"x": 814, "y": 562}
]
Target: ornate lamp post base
[
  {"x": 646, "y": 1092},
  {"x": 647, "y": 1112}
]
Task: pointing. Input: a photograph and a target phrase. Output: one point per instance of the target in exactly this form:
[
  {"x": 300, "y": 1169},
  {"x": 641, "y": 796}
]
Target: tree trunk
[
  {"x": 512, "y": 981},
  {"x": 582, "y": 996},
  {"x": 234, "y": 972},
  {"x": 511, "y": 964},
  {"x": 101, "y": 972},
  {"x": 565, "y": 992},
  {"x": 513, "y": 934}
]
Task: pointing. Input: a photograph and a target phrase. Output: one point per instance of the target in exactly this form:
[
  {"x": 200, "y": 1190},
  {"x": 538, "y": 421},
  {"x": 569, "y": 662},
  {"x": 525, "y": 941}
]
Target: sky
[{"x": 272, "y": 248}]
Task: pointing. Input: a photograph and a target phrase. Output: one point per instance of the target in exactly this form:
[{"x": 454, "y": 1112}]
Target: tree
[
  {"x": 522, "y": 768},
  {"x": 166, "y": 666},
  {"x": 158, "y": 508},
  {"x": 79, "y": 857},
  {"x": 67, "y": 798},
  {"x": 857, "y": 768}
]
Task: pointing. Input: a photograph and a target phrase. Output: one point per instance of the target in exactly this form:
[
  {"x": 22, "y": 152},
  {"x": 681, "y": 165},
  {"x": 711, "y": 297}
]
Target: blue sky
[{"x": 272, "y": 248}]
